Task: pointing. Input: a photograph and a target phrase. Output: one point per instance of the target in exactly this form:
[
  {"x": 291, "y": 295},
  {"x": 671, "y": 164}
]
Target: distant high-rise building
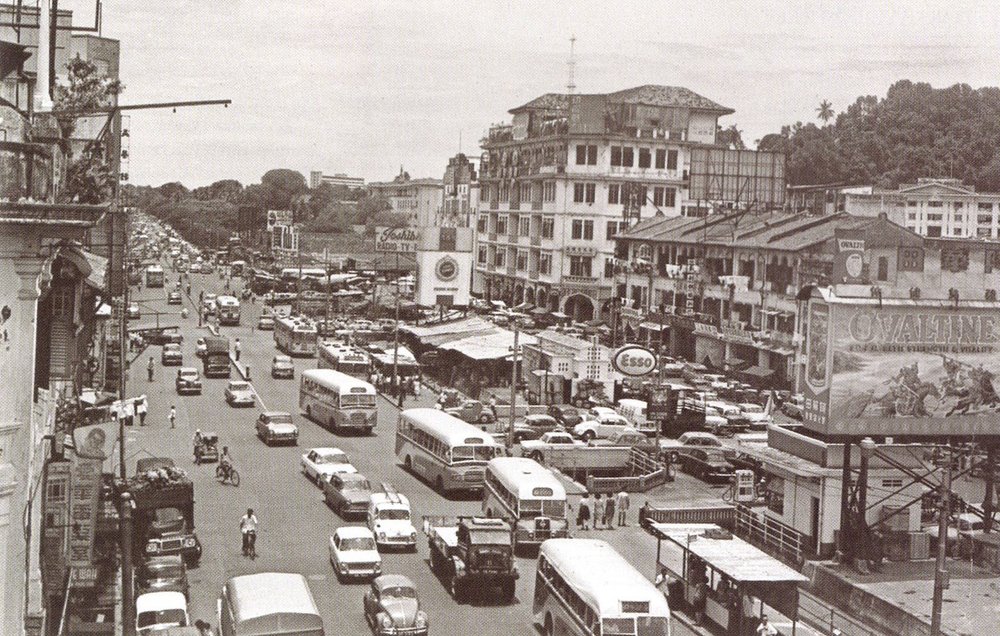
[
  {"x": 460, "y": 197},
  {"x": 418, "y": 199},
  {"x": 316, "y": 177}
]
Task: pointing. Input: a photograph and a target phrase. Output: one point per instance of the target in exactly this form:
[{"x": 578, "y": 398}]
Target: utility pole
[
  {"x": 513, "y": 385},
  {"x": 940, "y": 573},
  {"x": 395, "y": 342},
  {"x": 128, "y": 592}
]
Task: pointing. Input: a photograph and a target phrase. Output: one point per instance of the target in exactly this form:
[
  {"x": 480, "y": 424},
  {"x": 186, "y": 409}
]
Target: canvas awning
[
  {"x": 493, "y": 346},
  {"x": 652, "y": 326},
  {"x": 91, "y": 266},
  {"x": 525, "y": 307},
  {"x": 760, "y": 372}
]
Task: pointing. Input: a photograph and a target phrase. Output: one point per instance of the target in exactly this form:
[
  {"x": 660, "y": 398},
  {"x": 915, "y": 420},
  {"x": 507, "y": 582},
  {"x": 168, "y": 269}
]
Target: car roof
[
  {"x": 171, "y": 559},
  {"x": 354, "y": 532},
  {"x": 187, "y": 370},
  {"x": 238, "y": 382},
  {"x": 325, "y": 450},
  {"x": 275, "y": 413},
  {"x": 393, "y": 580}
]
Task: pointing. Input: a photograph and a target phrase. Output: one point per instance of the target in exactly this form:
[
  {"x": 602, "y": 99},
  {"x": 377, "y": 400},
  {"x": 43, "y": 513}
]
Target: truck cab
[{"x": 473, "y": 553}]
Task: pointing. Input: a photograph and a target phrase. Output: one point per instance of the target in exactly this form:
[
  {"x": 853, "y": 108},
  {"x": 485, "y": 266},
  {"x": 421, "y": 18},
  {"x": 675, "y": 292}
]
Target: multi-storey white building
[
  {"x": 417, "y": 199},
  {"x": 316, "y": 178},
  {"x": 557, "y": 183},
  {"x": 933, "y": 207}
]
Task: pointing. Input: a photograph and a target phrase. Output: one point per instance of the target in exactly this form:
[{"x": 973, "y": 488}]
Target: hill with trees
[{"x": 914, "y": 131}]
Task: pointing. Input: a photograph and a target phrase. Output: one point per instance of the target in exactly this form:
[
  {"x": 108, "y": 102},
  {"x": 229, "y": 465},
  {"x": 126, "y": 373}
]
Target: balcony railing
[
  {"x": 536, "y": 205},
  {"x": 570, "y": 279}
]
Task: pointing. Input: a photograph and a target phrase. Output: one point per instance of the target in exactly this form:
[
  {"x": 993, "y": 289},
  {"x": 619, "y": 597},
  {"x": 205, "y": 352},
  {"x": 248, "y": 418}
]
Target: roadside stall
[{"x": 727, "y": 579}]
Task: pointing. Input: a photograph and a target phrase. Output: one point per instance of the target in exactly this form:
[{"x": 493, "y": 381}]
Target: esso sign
[{"x": 634, "y": 361}]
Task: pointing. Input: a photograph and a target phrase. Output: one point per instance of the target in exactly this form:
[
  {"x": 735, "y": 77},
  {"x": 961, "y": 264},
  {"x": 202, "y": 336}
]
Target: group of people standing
[
  {"x": 408, "y": 386},
  {"x": 603, "y": 511}
]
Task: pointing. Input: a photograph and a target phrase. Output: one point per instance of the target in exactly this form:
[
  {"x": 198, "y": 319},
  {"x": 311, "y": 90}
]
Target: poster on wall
[
  {"x": 900, "y": 368},
  {"x": 91, "y": 446}
]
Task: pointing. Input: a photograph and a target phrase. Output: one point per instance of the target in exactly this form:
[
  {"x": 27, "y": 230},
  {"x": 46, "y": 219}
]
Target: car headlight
[
  {"x": 189, "y": 542},
  {"x": 386, "y": 621},
  {"x": 421, "y": 619},
  {"x": 151, "y": 547},
  {"x": 381, "y": 536},
  {"x": 413, "y": 535},
  {"x": 343, "y": 568}
]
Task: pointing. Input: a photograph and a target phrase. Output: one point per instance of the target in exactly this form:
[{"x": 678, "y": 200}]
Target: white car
[
  {"x": 200, "y": 347},
  {"x": 239, "y": 393},
  {"x": 319, "y": 463},
  {"x": 389, "y": 520},
  {"x": 603, "y": 427},
  {"x": 158, "y": 611},
  {"x": 755, "y": 414},
  {"x": 353, "y": 553}
]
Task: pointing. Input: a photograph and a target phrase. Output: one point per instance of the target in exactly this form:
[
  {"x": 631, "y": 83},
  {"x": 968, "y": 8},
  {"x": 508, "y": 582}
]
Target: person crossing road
[{"x": 248, "y": 530}]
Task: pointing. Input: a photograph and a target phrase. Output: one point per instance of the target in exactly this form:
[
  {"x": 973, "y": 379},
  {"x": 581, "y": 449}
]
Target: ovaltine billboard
[{"x": 902, "y": 367}]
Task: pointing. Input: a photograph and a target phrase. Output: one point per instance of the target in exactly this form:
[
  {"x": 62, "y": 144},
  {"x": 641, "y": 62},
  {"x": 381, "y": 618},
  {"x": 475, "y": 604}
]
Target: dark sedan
[
  {"x": 566, "y": 415},
  {"x": 707, "y": 464},
  {"x": 534, "y": 426}
]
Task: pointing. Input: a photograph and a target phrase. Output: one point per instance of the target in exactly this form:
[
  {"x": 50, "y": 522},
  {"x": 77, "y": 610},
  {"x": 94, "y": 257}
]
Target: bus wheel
[
  {"x": 548, "y": 625},
  {"x": 439, "y": 484},
  {"x": 407, "y": 463}
]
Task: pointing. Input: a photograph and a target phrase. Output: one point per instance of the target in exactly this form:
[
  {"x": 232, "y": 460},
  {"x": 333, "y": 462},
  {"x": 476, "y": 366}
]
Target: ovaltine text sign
[
  {"x": 902, "y": 368},
  {"x": 396, "y": 239},
  {"x": 634, "y": 361}
]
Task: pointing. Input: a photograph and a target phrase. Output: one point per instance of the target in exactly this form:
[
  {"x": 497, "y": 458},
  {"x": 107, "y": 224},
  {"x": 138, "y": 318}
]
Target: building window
[
  {"x": 616, "y": 155},
  {"x": 481, "y": 223},
  {"x": 522, "y": 260},
  {"x": 481, "y": 259},
  {"x": 644, "y": 157},
  {"x": 934, "y": 217},
  {"x": 984, "y": 232},
  {"x": 592, "y": 155},
  {"x": 661, "y": 158},
  {"x": 501, "y": 258},
  {"x": 614, "y": 227},
  {"x": 582, "y": 229},
  {"x": 911, "y": 259},
  {"x": 669, "y": 197},
  {"x": 524, "y": 226},
  {"x": 934, "y": 204},
  {"x": 545, "y": 264},
  {"x": 578, "y": 192},
  {"x": 580, "y": 265},
  {"x": 954, "y": 259},
  {"x": 984, "y": 219},
  {"x": 958, "y": 218},
  {"x": 657, "y": 196},
  {"x": 912, "y": 204},
  {"x": 504, "y": 192},
  {"x": 775, "y": 495},
  {"x": 628, "y": 156},
  {"x": 986, "y": 207},
  {"x": 609, "y": 268},
  {"x": 671, "y": 160},
  {"x": 958, "y": 205},
  {"x": 502, "y": 224},
  {"x": 933, "y": 231},
  {"x": 586, "y": 155},
  {"x": 992, "y": 261},
  {"x": 526, "y": 192},
  {"x": 590, "y": 192},
  {"x": 549, "y": 191},
  {"x": 548, "y": 227},
  {"x": 883, "y": 268},
  {"x": 614, "y": 191}
]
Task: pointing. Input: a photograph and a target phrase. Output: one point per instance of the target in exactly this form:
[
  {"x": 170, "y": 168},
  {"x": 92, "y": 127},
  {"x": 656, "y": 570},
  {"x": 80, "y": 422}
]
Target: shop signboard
[
  {"x": 396, "y": 240},
  {"x": 901, "y": 368},
  {"x": 634, "y": 361}
]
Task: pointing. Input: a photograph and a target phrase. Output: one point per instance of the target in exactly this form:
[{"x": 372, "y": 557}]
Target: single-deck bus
[
  {"x": 444, "y": 450},
  {"x": 295, "y": 336},
  {"x": 527, "y": 496},
  {"x": 338, "y": 401},
  {"x": 584, "y": 587},
  {"x": 343, "y": 358},
  {"x": 154, "y": 276},
  {"x": 229, "y": 310}
]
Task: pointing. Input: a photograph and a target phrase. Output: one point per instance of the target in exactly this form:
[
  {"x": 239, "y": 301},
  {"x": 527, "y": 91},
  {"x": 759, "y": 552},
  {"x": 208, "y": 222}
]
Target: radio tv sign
[
  {"x": 901, "y": 368},
  {"x": 396, "y": 240}
]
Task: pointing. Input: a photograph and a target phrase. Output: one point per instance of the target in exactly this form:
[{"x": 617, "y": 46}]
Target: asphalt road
[{"x": 295, "y": 524}]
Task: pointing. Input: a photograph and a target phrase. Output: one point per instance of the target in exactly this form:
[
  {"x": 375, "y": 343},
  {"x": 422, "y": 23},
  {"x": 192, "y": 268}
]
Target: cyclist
[
  {"x": 196, "y": 441},
  {"x": 225, "y": 462},
  {"x": 248, "y": 528}
]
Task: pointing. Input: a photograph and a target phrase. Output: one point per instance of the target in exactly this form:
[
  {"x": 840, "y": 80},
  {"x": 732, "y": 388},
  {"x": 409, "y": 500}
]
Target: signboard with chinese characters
[
  {"x": 901, "y": 368},
  {"x": 402, "y": 240}
]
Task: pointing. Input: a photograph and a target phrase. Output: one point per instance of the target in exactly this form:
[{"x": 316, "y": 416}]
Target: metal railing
[
  {"x": 774, "y": 537},
  {"x": 825, "y": 618}
]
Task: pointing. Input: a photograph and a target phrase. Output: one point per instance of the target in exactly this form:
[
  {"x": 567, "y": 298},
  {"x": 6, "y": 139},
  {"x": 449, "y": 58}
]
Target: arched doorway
[
  {"x": 518, "y": 294},
  {"x": 540, "y": 297},
  {"x": 553, "y": 302},
  {"x": 579, "y": 307}
]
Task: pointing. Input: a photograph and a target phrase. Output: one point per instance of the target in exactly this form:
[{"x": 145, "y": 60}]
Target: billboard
[
  {"x": 901, "y": 368},
  {"x": 848, "y": 263},
  {"x": 747, "y": 176},
  {"x": 396, "y": 240}
]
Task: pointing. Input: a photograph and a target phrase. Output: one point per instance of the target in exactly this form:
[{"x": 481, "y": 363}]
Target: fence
[
  {"x": 645, "y": 472},
  {"x": 774, "y": 537},
  {"x": 825, "y": 618},
  {"x": 723, "y": 516}
]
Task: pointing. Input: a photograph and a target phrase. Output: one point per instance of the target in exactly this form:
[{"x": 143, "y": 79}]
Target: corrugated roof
[{"x": 647, "y": 95}]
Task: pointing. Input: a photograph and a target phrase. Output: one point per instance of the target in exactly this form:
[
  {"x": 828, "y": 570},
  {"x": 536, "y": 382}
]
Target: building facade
[
  {"x": 933, "y": 207},
  {"x": 554, "y": 367},
  {"x": 317, "y": 178},
  {"x": 419, "y": 200},
  {"x": 568, "y": 174},
  {"x": 460, "y": 198}
]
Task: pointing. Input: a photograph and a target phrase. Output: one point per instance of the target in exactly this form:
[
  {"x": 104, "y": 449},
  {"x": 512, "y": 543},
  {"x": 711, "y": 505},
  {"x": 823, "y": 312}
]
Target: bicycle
[
  {"x": 250, "y": 544},
  {"x": 226, "y": 473}
]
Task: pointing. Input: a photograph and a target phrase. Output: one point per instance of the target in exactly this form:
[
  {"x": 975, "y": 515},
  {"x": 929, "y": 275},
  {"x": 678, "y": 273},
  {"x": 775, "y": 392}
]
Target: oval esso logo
[{"x": 634, "y": 360}]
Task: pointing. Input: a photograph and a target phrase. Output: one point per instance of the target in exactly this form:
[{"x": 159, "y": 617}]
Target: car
[
  {"x": 794, "y": 406},
  {"x": 239, "y": 393},
  {"x": 353, "y": 553},
  {"x": 174, "y": 298},
  {"x": 319, "y": 463},
  {"x": 164, "y": 336},
  {"x": 265, "y": 323},
  {"x": 675, "y": 448},
  {"x": 389, "y": 520},
  {"x": 274, "y": 427},
  {"x": 195, "y": 268},
  {"x": 162, "y": 574},
  {"x": 707, "y": 464},
  {"x": 188, "y": 381},
  {"x": 392, "y": 606},
  {"x": 755, "y": 414},
  {"x": 133, "y": 311},
  {"x": 158, "y": 611},
  {"x": 171, "y": 355},
  {"x": 565, "y": 414},
  {"x": 604, "y": 427},
  {"x": 200, "y": 347},
  {"x": 534, "y": 426},
  {"x": 631, "y": 437},
  {"x": 282, "y": 367},
  {"x": 209, "y": 307},
  {"x": 349, "y": 494}
]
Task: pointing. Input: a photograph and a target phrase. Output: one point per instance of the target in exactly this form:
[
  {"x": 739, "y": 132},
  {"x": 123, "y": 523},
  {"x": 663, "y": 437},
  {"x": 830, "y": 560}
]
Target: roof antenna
[{"x": 571, "y": 86}]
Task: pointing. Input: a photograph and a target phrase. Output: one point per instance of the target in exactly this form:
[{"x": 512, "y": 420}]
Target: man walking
[
  {"x": 140, "y": 408},
  {"x": 623, "y": 504},
  {"x": 236, "y": 348},
  {"x": 609, "y": 511},
  {"x": 149, "y": 368},
  {"x": 583, "y": 514},
  {"x": 599, "y": 512},
  {"x": 173, "y": 416}
]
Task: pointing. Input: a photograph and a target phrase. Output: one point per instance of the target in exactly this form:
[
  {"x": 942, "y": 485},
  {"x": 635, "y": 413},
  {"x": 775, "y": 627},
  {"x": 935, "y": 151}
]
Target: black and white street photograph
[{"x": 509, "y": 318}]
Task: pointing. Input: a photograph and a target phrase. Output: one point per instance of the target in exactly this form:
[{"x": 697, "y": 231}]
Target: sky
[{"x": 365, "y": 88}]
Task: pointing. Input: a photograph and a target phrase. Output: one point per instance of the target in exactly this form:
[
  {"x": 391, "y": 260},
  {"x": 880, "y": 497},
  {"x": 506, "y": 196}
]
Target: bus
[
  {"x": 344, "y": 358},
  {"x": 528, "y": 497},
  {"x": 154, "y": 276},
  {"x": 338, "y": 401},
  {"x": 584, "y": 587},
  {"x": 229, "y": 310},
  {"x": 295, "y": 335},
  {"x": 443, "y": 450},
  {"x": 236, "y": 268}
]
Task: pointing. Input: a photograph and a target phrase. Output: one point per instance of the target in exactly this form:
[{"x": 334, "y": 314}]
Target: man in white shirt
[{"x": 248, "y": 525}]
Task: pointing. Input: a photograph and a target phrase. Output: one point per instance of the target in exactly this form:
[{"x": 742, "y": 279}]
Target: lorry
[
  {"x": 215, "y": 360},
  {"x": 472, "y": 553},
  {"x": 163, "y": 511},
  {"x": 560, "y": 450}
]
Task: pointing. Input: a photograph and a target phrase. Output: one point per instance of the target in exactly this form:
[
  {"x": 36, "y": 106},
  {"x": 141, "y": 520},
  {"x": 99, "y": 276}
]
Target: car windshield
[
  {"x": 164, "y": 571},
  {"x": 394, "y": 514},
  {"x": 399, "y": 591},
  {"x": 282, "y": 360},
  {"x": 361, "y": 485},
  {"x": 189, "y": 375},
  {"x": 752, "y": 408},
  {"x": 473, "y": 453},
  {"x": 239, "y": 386},
  {"x": 357, "y": 543},
  {"x": 279, "y": 418},
  {"x": 332, "y": 458},
  {"x": 162, "y": 617},
  {"x": 715, "y": 456},
  {"x": 172, "y": 347}
]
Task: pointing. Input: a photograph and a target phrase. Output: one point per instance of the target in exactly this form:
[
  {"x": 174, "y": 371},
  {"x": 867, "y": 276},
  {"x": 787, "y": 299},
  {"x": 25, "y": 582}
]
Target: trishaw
[{"x": 207, "y": 450}]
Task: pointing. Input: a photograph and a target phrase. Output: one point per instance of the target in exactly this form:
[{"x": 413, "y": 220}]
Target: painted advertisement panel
[{"x": 902, "y": 368}]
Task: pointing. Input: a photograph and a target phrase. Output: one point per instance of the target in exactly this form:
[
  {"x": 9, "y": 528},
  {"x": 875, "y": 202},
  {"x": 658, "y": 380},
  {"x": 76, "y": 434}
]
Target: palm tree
[{"x": 825, "y": 111}]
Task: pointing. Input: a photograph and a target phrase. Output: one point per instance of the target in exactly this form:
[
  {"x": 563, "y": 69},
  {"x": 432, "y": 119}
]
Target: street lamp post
[
  {"x": 516, "y": 349},
  {"x": 940, "y": 573}
]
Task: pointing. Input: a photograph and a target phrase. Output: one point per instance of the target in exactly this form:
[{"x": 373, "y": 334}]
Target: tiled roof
[
  {"x": 548, "y": 101},
  {"x": 648, "y": 95}
]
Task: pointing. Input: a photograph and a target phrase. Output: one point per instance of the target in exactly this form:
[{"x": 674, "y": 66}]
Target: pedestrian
[
  {"x": 173, "y": 416},
  {"x": 201, "y": 296},
  {"x": 765, "y": 628},
  {"x": 623, "y": 504},
  {"x": 373, "y": 379},
  {"x": 609, "y": 511},
  {"x": 149, "y": 367},
  {"x": 493, "y": 404},
  {"x": 583, "y": 514},
  {"x": 599, "y": 511},
  {"x": 204, "y": 629},
  {"x": 236, "y": 348},
  {"x": 141, "y": 407},
  {"x": 698, "y": 601},
  {"x": 644, "y": 514},
  {"x": 416, "y": 388}
]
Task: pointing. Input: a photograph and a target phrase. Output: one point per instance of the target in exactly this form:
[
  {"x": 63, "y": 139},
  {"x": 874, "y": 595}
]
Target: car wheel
[
  {"x": 537, "y": 456},
  {"x": 588, "y": 435}
]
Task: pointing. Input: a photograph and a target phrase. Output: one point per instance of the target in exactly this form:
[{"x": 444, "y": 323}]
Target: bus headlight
[{"x": 381, "y": 536}]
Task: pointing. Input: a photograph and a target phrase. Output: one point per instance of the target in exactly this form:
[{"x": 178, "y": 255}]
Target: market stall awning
[
  {"x": 539, "y": 311},
  {"x": 494, "y": 346},
  {"x": 652, "y": 326},
  {"x": 760, "y": 372},
  {"x": 467, "y": 325},
  {"x": 560, "y": 315}
]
